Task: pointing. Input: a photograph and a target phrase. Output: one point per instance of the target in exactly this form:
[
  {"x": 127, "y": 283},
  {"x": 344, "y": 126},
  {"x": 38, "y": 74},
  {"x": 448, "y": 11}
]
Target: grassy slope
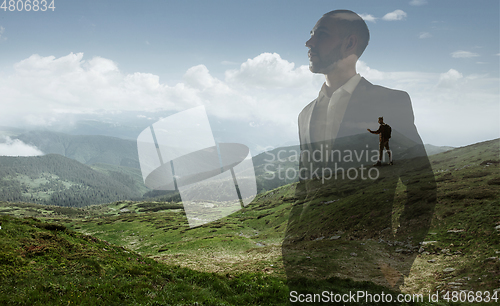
[
  {"x": 463, "y": 226},
  {"x": 46, "y": 264},
  {"x": 131, "y": 177},
  {"x": 249, "y": 240},
  {"x": 464, "y": 222},
  {"x": 274, "y": 168}
]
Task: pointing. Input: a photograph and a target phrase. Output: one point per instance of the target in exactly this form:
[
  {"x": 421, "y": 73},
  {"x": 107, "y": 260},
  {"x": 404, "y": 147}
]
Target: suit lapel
[
  {"x": 356, "y": 110},
  {"x": 307, "y": 122},
  {"x": 352, "y": 115}
]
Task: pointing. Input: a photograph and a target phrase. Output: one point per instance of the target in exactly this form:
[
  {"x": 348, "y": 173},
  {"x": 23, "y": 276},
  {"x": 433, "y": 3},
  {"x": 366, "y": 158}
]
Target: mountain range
[{"x": 80, "y": 170}]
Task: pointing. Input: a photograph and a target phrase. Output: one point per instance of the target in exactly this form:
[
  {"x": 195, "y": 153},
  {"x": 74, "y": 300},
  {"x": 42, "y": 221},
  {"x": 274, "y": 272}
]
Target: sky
[{"x": 131, "y": 63}]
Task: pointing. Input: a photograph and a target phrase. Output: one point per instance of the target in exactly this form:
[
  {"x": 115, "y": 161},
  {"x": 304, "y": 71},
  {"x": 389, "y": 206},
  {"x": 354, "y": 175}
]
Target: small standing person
[{"x": 384, "y": 132}]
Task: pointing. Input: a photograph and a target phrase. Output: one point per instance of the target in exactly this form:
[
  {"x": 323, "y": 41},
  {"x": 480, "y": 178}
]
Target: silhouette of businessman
[{"x": 348, "y": 220}]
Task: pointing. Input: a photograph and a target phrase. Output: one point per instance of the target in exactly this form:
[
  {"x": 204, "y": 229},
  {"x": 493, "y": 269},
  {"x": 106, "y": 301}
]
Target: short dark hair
[{"x": 351, "y": 23}]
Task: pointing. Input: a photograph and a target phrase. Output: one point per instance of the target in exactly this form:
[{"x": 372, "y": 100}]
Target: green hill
[
  {"x": 57, "y": 180},
  {"x": 130, "y": 177},
  {"x": 87, "y": 149},
  {"x": 463, "y": 227},
  {"x": 280, "y": 166},
  {"x": 462, "y": 250},
  {"x": 47, "y": 264},
  {"x": 120, "y": 155}
]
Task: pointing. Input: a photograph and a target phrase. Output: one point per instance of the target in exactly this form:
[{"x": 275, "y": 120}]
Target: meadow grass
[{"x": 152, "y": 257}]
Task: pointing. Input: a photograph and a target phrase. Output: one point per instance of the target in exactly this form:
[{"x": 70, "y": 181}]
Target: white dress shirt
[{"x": 328, "y": 112}]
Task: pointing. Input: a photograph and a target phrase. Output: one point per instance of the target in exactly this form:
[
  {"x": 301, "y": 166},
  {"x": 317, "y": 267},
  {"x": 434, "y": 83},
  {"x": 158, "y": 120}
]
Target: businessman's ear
[{"x": 351, "y": 43}]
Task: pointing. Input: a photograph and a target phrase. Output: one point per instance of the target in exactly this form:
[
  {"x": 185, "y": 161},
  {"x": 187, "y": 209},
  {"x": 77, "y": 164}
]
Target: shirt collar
[{"x": 348, "y": 86}]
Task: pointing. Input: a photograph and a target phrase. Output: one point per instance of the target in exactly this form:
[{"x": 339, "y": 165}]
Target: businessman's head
[{"x": 336, "y": 36}]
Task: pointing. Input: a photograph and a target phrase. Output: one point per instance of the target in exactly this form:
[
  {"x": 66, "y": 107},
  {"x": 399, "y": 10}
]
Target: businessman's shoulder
[{"x": 308, "y": 108}]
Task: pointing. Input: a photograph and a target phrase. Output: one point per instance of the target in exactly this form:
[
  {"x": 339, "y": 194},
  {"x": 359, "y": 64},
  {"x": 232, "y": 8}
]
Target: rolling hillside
[
  {"x": 279, "y": 166},
  {"x": 115, "y": 157},
  {"x": 462, "y": 249},
  {"x": 465, "y": 228},
  {"x": 48, "y": 264},
  {"x": 87, "y": 149},
  {"x": 57, "y": 180}
]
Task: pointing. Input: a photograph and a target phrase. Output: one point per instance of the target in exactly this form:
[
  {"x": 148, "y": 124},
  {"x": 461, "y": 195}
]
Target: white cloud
[
  {"x": 266, "y": 93},
  {"x": 424, "y": 35},
  {"x": 368, "y": 17},
  {"x": 463, "y": 54},
  {"x": 418, "y": 2},
  {"x": 443, "y": 101},
  {"x": 2, "y": 29},
  {"x": 449, "y": 78},
  {"x": 44, "y": 91},
  {"x": 396, "y": 15},
  {"x": 43, "y": 87},
  {"x": 15, "y": 147},
  {"x": 269, "y": 70},
  {"x": 199, "y": 77},
  {"x": 369, "y": 73}
]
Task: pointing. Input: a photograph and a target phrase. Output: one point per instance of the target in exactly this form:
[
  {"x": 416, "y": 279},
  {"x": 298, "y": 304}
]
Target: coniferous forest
[{"x": 56, "y": 180}]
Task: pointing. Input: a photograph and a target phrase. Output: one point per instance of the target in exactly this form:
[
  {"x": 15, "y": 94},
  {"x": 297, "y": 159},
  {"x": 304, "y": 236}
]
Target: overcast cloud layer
[{"x": 266, "y": 89}]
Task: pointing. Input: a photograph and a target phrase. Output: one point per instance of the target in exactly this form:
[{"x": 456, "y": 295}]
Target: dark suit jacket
[{"x": 367, "y": 103}]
